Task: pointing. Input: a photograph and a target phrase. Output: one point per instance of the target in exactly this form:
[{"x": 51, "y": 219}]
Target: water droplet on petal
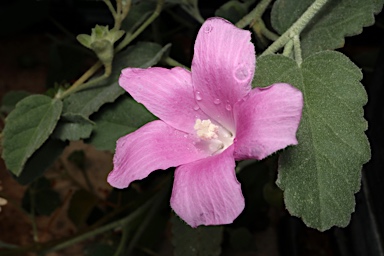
[
  {"x": 217, "y": 101},
  {"x": 196, "y": 108},
  {"x": 198, "y": 96},
  {"x": 228, "y": 107},
  {"x": 241, "y": 73},
  {"x": 208, "y": 28}
]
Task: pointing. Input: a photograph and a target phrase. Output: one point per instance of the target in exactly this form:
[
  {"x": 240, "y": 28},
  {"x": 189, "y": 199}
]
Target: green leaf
[
  {"x": 116, "y": 120},
  {"x": 321, "y": 174},
  {"x": 27, "y": 127},
  {"x": 378, "y": 5},
  {"x": 10, "y": 100},
  {"x": 86, "y": 102},
  {"x": 73, "y": 127},
  {"x": 336, "y": 20},
  {"x": 42, "y": 159},
  {"x": 200, "y": 241},
  {"x": 233, "y": 10}
]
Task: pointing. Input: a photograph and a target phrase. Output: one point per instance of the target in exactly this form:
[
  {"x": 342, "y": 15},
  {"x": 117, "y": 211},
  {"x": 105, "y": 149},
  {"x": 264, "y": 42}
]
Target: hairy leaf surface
[
  {"x": 116, "y": 120},
  {"x": 27, "y": 127},
  {"x": 336, "y": 20},
  {"x": 321, "y": 175}
]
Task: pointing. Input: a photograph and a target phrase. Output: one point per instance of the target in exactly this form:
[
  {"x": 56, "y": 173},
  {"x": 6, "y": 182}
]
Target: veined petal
[
  {"x": 222, "y": 68},
  {"x": 154, "y": 146},
  {"x": 206, "y": 192},
  {"x": 167, "y": 93},
  {"x": 267, "y": 121}
]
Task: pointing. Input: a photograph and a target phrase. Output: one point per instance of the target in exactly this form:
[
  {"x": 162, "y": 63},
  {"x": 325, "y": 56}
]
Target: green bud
[{"x": 101, "y": 42}]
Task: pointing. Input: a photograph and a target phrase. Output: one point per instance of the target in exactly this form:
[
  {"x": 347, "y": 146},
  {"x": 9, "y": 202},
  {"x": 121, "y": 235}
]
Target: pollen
[{"x": 205, "y": 129}]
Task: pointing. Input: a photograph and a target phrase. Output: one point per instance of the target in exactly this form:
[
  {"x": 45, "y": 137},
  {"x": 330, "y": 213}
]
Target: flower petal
[
  {"x": 206, "y": 192},
  {"x": 222, "y": 68},
  {"x": 167, "y": 93},
  {"x": 154, "y": 146},
  {"x": 267, "y": 121}
]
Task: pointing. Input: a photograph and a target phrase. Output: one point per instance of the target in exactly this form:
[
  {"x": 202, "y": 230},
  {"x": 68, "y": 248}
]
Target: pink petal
[
  {"x": 267, "y": 121},
  {"x": 167, "y": 93},
  {"x": 206, "y": 192},
  {"x": 222, "y": 68},
  {"x": 154, "y": 146}
]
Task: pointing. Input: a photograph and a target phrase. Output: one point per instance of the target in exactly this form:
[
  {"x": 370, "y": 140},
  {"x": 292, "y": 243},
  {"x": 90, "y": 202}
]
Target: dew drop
[
  {"x": 241, "y": 73},
  {"x": 217, "y": 101},
  {"x": 208, "y": 28},
  {"x": 198, "y": 96},
  {"x": 196, "y": 108},
  {"x": 228, "y": 107}
]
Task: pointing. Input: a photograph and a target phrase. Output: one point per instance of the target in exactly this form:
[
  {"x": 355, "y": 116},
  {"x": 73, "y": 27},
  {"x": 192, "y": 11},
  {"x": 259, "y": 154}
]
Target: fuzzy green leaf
[
  {"x": 27, "y": 127},
  {"x": 73, "y": 127},
  {"x": 336, "y": 20},
  {"x": 200, "y": 241},
  {"x": 233, "y": 10},
  {"x": 321, "y": 175},
  {"x": 116, "y": 120}
]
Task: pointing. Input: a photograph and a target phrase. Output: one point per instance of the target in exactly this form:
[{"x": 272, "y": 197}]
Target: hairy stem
[
  {"x": 296, "y": 28},
  {"x": 80, "y": 83},
  {"x": 174, "y": 63},
  {"x": 143, "y": 26},
  {"x": 288, "y": 48},
  {"x": 110, "y": 7},
  {"x": 297, "y": 50},
  {"x": 255, "y": 14}
]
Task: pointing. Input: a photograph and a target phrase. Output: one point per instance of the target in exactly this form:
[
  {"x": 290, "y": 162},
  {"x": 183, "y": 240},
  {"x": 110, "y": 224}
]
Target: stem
[
  {"x": 130, "y": 38},
  {"x": 267, "y": 33},
  {"x": 79, "y": 87},
  {"x": 288, "y": 48},
  {"x": 296, "y": 28},
  {"x": 297, "y": 50},
  {"x": 110, "y": 7},
  {"x": 174, "y": 63},
  {"x": 110, "y": 226},
  {"x": 126, "y": 9},
  {"x": 255, "y": 14},
  {"x": 123, "y": 239},
  {"x": 33, "y": 219},
  {"x": 143, "y": 225},
  {"x": 194, "y": 12},
  {"x": 79, "y": 84}
]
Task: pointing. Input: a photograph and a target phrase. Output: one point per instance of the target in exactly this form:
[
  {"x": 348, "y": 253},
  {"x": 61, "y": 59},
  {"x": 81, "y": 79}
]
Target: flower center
[
  {"x": 206, "y": 129},
  {"x": 217, "y": 137}
]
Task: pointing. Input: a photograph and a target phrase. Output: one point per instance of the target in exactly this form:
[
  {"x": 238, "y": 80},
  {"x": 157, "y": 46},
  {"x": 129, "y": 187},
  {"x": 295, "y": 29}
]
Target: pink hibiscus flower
[{"x": 209, "y": 118}]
